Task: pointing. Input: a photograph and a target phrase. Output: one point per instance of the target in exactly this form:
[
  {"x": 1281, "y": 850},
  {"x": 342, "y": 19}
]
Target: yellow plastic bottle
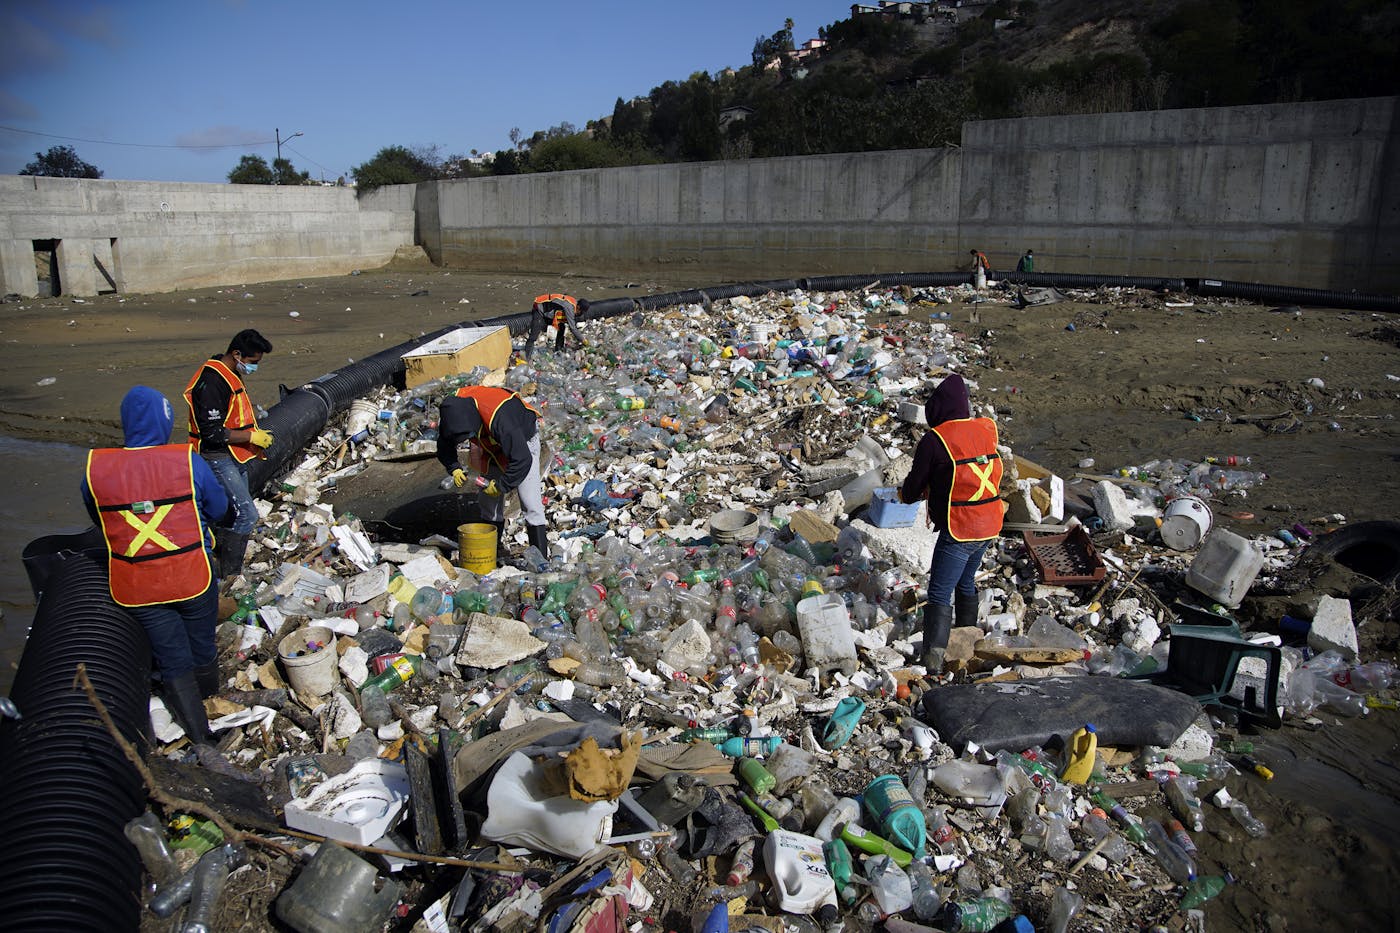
[{"x": 1082, "y": 752}]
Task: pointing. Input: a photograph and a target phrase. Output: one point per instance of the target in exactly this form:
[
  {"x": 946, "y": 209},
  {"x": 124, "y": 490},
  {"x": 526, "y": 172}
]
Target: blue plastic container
[{"x": 886, "y": 511}]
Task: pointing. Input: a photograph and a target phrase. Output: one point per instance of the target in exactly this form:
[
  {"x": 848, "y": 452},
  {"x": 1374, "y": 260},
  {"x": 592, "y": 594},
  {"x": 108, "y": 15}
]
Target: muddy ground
[{"x": 1133, "y": 380}]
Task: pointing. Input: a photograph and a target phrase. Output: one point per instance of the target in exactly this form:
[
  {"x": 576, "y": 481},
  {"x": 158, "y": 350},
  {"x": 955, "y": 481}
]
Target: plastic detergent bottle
[
  {"x": 892, "y": 808},
  {"x": 1082, "y": 752}
]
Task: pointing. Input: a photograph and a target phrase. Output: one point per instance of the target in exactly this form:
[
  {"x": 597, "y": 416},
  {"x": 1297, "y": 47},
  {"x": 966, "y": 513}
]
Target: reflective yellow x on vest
[{"x": 974, "y": 512}]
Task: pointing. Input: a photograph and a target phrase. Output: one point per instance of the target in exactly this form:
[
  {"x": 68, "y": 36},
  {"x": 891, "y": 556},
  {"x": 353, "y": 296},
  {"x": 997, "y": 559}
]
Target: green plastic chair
[{"x": 1202, "y": 661}]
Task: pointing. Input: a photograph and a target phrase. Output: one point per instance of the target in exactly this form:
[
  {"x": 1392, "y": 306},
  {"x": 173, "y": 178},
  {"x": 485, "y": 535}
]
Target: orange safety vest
[
  {"x": 489, "y": 400},
  {"x": 559, "y": 317},
  {"x": 974, "y": 511},
  {"x": 981, "y": 260},
  {"x": 151, "y": 523},
  {"x": 240, "y": 416}
]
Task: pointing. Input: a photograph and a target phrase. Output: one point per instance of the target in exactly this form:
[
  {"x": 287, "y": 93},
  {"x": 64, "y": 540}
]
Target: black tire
[{"x": 1371, "y": 549}]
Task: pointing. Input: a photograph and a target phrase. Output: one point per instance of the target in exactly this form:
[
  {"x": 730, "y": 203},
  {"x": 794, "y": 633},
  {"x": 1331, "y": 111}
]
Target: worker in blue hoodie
[
  {"x": 156, "y": 503},
  {"x": 957, "y": 471}
]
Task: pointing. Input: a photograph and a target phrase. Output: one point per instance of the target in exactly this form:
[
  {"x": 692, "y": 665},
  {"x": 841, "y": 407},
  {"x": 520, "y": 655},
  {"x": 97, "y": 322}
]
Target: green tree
[
  {"x": 60, "y": 162},
  {"x": 251, "y": 170},
  {"x": 284, "y": 173},
  {"x": 393, "y": 165}
]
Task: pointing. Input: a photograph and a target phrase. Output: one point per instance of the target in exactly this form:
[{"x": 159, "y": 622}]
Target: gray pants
[{"x": 531, "y": 492}]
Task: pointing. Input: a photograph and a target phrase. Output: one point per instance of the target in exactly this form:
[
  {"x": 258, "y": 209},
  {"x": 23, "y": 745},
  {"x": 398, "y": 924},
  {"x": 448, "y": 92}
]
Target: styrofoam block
[
  {"x": 1194, "y": 744},
  {"x": 1332, "y": 627},
  {"x": 910, "y": 548},
  {"x": 1112, "y": 506},
  {"x": 1020, "y": 505}
]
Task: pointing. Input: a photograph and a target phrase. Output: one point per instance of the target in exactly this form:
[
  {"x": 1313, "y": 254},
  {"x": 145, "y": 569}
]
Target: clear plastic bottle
[
  {"x": 1251, "y": 823},
  {"x": 1168, "y": 854},
  {"x": 148, "y": 836},
  {"x": 174, "y": 894},
  {"x": 1181, "y": 794},
  {"x": 1058, "y": 844},
  {"x": 431, "y": 605},
  {"x": 926, "y": 899},
  {"x": 890, "y": 885},
  {"x": 1096, "y": 825},
  {"x": 209, "y": 877},
  {"x": 1064, "y": 905}
]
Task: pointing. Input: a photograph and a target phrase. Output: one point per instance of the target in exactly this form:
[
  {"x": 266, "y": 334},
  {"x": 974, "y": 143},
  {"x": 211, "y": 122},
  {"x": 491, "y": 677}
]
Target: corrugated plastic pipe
[{"x": 66, "y": 790}]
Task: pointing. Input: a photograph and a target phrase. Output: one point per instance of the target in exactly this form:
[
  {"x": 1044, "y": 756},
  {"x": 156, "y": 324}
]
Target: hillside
[{"x": 908, "y": 75}]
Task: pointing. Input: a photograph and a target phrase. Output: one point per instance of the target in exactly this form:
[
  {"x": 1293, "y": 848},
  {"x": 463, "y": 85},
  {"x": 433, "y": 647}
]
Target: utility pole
[{"x": 277, "y": 135}]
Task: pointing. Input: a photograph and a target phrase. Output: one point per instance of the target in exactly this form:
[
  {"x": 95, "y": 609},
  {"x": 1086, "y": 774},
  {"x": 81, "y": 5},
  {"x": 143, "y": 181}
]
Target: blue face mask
[{"x": 248, "y": 368}]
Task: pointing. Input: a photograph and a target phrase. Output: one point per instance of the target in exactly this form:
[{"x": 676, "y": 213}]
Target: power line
[
  {"x": 108, "y": 142},
  {"x": 308, "y": 158}
]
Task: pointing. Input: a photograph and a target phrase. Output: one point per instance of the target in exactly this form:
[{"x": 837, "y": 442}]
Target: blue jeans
[
  {"x": 182, "y": 634},
  {"x": 954, "y": 567},
  {"x": 234, "y": 477}
]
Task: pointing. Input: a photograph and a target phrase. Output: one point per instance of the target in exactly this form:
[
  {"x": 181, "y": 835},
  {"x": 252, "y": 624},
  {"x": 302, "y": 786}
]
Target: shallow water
[{"x": 38, "y": 496}]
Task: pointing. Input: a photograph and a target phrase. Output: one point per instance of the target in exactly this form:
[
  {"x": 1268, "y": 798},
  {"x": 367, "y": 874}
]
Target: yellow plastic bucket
[{"x": 476, "y": 542}]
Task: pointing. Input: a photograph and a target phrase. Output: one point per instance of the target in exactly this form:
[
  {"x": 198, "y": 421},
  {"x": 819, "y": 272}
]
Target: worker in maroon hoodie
[{"x": 957, "y": 470}]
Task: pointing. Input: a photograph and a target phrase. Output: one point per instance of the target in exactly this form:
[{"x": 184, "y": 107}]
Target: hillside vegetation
[{"x": 887, "y": 83}]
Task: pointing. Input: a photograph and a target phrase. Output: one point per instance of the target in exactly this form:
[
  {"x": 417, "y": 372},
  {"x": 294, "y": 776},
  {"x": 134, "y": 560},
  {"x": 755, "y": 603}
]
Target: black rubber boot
[
  {"x": 539, "y": 537},
  {"x": 964, "y": 609},
  {"x": 207, "y": 676},
  {"x": 938, "y": 622},
  {"x": 181, "y": 696},
  {"x": 230, "y": 548},
  {"x": 502, "y": 552}
]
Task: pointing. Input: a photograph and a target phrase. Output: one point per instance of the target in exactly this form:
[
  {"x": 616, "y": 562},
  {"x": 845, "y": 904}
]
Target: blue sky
[{"x": 352, "y": 77}]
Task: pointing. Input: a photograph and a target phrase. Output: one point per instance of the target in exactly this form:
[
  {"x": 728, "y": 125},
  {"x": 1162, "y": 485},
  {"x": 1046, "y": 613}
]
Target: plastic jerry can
[
  {"x": 1225, "y": 567},
  {"x": 1082, "y": 750},
  {"x": 801, "y": 882},
  {"x": 899, "y": 818},
  {"x": 827, "y": 640},
  {"x": 674, "y": 797}
]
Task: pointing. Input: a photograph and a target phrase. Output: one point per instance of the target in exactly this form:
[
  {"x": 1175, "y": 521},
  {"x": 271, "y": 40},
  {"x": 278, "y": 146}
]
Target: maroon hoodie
[{"x": 931, "y": 476}]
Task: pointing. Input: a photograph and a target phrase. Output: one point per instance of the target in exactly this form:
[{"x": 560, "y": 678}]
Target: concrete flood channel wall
[
  {"x": 1303, "y": 195},
  {"x": 1299, "y": 194},
  {"x": 136, "y": 236}
]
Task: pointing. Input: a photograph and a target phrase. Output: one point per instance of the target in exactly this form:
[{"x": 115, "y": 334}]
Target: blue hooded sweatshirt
[{"x": 146, "y": 422}]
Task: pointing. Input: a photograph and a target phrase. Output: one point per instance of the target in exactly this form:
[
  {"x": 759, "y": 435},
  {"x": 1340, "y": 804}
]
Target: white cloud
[{"x": 223, "y": 136}]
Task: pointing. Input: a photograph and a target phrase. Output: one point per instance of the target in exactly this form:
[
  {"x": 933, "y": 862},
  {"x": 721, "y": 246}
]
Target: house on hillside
[{"x": 733, "y": 114}]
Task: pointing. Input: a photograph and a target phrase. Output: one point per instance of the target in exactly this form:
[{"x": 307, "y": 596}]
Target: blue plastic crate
[{"x": 886, "y": 511}]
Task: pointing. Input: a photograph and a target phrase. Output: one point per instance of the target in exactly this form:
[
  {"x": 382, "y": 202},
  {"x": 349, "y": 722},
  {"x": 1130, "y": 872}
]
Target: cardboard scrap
[{"x": 592, "y": 774}]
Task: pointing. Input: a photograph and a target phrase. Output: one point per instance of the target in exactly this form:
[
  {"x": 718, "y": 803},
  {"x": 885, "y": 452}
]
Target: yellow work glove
[
  {"x": 491, "y": 489},
  {"x": 261, "y": 438},
  {"x": 459, "y": 478}
]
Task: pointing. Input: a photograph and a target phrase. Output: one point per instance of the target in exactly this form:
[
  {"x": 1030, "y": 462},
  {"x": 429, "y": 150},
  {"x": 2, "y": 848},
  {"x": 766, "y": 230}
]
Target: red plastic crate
[{"x": 1065, "y": 559}]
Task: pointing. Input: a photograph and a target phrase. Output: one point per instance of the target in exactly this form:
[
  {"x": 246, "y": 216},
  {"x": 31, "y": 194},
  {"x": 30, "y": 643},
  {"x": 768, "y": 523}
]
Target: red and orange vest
[
  {"x": 240, "y": 416},
  {"x": 151, "y": 523},
  {"x": 974, "y": 511},
  {"x": 489, "y": 400}
]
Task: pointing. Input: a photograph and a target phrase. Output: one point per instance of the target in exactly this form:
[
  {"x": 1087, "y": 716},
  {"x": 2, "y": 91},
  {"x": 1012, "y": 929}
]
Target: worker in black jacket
[{"x": 506, "y": 429}]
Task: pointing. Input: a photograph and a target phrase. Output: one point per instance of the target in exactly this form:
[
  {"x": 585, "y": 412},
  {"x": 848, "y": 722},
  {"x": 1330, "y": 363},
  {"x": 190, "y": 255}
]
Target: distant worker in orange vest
[
  {"x": 156, "y": 504},
  {"x": 957, "y": 471},
  {"x": 979, "y": 261},
  {"x": 224, "y": 430},
  {"x": 506, "y": 428},
  {"x": 559, "y": 310}
]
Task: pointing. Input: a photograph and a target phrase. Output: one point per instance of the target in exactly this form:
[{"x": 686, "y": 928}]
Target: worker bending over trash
[
  {"x": 506, "y": 429},
  {"x": 958, "y": 471},
  {"x": 559, "y": 310},
  {"x": 156, "y": 503}
]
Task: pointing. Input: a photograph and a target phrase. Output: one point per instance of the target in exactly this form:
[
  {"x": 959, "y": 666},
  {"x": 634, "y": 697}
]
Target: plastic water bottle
[
  {"x": 374, "y": 706},
  {"x": 1095, "y": 824},
  {"x": 1252, "y": 824},
  {"x": 978, "y": 916},
  {"x": 209, "y": 877},
  {"x": 1181, "y": 794},
  {"x": 148, "y": 837},
  {"x": 431, "y": 605},
  {"x": 924, "y": 894},
  {"x": 1169, "y": 855},
  {"x": 1202, "y": 890},
  {"x": 1064, "y": 905}
]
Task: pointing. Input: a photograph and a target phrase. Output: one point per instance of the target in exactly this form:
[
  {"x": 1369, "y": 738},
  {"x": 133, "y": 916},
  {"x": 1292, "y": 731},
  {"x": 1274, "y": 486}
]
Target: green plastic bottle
[
  {"x": 838, "y": 862},
  {"x": 398, "y": 671},
  {"x": 756, "y": 776},
  {"x": 867, "y": 841},
  {"x": 977, "y": 916},
  {"x": 1202, "y": 890}
]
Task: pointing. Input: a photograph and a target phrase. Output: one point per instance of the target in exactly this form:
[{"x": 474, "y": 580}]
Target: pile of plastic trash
[{"x": 703, "y": 711}]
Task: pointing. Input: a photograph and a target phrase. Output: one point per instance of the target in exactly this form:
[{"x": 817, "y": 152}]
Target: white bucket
[
  {"x": 827, "y": 640},
  {"x": 362, "y": 415},
  {"x": 760, "y": 332},
  {"x": 1185, "y": 522},
  {"x": 309, "y": 671}
]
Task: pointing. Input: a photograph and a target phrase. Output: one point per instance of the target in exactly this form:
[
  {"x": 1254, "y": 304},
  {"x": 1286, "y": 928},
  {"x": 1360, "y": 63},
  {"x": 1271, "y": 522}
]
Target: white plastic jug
[
  {"x": 1225, "y": 567},
  {"x": 801, "y": 883},
  {"x": 827, "y": 640},
  {"x": 519, "y": 813}
]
